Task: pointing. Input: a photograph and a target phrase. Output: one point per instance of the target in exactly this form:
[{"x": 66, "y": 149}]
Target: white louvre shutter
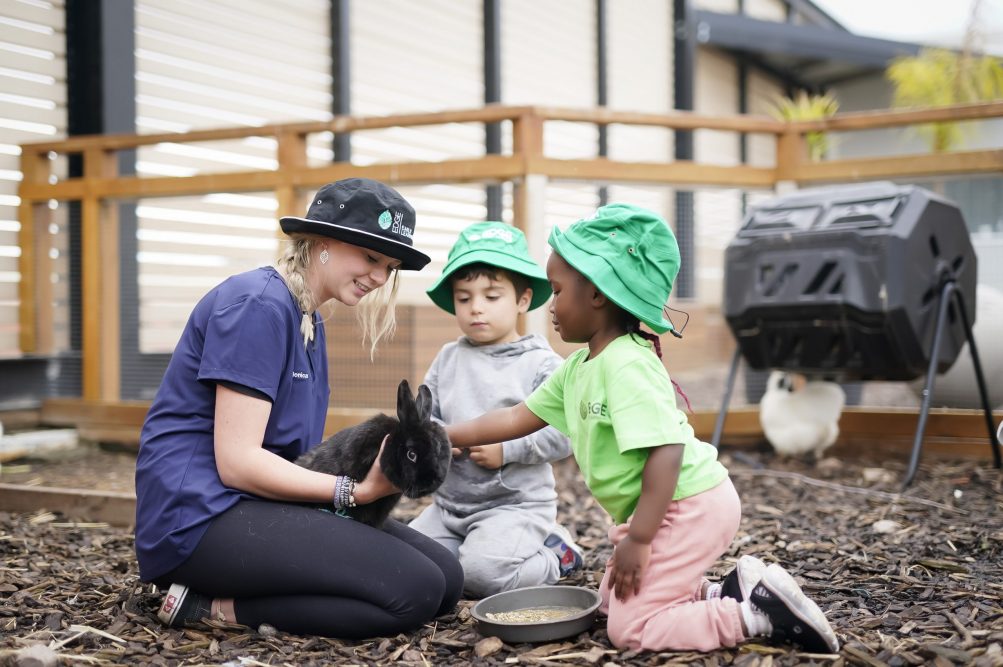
[
  {"x": 640, "y": 79},
  {"x": 548, "y": 59},
  {"x": 419, "y": 57},
  {"x": 217, "y": 64},
  {"x": 32, "y": 108}
]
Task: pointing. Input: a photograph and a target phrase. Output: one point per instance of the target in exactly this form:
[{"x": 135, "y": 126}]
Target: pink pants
[{"x": 668, "y": 613}]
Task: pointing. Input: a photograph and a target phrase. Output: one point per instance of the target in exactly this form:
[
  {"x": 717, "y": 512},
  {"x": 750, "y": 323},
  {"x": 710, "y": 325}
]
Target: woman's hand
[
  {"x": 375, "y": 485},
  {"x": 629, "y": 562}
]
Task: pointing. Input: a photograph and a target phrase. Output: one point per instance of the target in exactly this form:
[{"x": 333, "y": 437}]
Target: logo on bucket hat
[
  {"x": 384, "y": 220},
  {"x": 495, "y": 244},
  {"x": 365, "y": 213},
  {"x": 630, "y": 254}
]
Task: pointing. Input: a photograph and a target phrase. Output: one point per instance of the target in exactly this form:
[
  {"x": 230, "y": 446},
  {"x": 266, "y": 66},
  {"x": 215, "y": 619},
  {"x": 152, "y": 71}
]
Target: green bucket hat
[
  {"x": 493, "y": 243},
  {"x": 630, "y": 254}
]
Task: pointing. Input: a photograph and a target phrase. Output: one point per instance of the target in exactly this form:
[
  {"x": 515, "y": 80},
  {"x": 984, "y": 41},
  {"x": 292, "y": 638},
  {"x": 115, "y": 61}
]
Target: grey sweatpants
[{"x": 499, "y": 548}]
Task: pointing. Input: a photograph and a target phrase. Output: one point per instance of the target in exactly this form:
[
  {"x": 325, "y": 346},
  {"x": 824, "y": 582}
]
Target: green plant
[
  {"x": 938, "y": 77},
  {"x": 808, "y": 107}
]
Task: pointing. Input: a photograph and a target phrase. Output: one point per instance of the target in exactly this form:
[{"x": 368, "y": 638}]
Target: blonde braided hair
[{"x": 376, "y": 312}]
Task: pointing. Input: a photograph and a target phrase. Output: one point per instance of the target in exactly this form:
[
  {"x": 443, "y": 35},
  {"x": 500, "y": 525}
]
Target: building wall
[
  {"x": 641, "y": 80},
  {"x": 32, "y": 108},
  {"x": 443, "y": 65},
  {"x": 767, "y": 10},
  {"x": 201, "y": 66},
  {"x": 254, "y": 62},
  {"x": 722, "y": 6},
  {"x": 545, "y": 47},
  {"x": 764, "y": 92}
]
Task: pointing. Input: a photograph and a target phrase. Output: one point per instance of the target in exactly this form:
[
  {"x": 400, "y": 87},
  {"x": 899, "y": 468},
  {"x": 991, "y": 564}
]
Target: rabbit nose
[{"x": 411, "y": 456}]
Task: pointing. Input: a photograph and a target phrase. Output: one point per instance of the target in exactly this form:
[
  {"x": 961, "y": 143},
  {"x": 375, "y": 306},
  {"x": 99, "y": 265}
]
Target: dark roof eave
[{"x": 741, "y": 33}]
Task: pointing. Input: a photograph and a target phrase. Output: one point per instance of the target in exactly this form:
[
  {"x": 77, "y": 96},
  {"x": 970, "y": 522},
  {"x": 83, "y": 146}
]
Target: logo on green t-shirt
[{"x": 592, "y": 409}]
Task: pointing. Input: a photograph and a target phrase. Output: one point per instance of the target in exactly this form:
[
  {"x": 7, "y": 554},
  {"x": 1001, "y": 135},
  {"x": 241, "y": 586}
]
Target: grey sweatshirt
[{"x": 468, "y": 380}]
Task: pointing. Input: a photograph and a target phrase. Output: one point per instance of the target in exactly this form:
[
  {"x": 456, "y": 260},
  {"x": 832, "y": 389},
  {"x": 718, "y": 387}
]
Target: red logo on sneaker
[{"x": 169, "y": 603}]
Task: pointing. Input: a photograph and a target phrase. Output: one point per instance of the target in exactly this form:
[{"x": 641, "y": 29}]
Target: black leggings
[{"x": 306, "y": 571}]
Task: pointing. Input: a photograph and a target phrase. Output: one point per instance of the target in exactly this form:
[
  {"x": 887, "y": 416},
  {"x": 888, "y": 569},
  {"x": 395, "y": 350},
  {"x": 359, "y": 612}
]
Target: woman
[{"x": 218, "y": 516}]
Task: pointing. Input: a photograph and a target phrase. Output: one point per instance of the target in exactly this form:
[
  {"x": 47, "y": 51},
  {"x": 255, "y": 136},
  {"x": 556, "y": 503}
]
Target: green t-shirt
[{"x": 614, "y": 408}]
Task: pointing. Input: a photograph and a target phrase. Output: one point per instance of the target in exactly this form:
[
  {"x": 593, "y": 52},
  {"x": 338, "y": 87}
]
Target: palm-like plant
[
  {"x": 808, "y": 107},
  {"x": 938, "y": 77}
]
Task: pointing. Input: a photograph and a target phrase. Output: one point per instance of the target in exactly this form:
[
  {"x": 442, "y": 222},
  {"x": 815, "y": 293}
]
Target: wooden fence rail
[{"x": 527, "y": 167}]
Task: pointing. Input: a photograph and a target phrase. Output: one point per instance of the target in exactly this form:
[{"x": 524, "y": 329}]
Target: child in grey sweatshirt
[{"x": 497, "y": 509}]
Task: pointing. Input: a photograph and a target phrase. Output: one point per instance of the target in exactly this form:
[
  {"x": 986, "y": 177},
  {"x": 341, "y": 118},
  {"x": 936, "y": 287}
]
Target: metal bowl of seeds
[{"x": 537, "y": 614}]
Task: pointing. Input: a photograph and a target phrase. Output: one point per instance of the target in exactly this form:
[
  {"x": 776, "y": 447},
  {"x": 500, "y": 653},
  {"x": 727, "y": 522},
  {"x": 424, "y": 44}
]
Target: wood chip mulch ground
[{"x": 912, "y": 579}]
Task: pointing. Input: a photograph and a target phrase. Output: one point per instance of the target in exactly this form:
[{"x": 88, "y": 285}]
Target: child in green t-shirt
[{"x": 674, "y": 505}]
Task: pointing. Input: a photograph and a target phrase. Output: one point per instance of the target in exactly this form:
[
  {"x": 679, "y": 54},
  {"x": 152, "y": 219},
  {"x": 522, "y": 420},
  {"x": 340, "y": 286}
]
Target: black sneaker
[
  {"x": 740, "y": 581},
  {"x": 183, "y": 607},
  {"x": 794, "y": 617}
]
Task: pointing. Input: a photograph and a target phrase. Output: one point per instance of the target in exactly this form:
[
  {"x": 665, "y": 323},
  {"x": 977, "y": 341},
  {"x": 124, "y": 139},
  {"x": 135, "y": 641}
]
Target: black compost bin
[{"x": 845, "y": 281}]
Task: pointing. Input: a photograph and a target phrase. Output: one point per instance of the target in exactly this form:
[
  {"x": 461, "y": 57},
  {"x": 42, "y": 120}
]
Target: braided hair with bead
[{"x": 632, "y": 326}]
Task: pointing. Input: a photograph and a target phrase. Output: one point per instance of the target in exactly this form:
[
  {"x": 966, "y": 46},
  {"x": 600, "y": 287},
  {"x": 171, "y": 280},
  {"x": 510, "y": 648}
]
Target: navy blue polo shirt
[{"x": 245, "y": 331}]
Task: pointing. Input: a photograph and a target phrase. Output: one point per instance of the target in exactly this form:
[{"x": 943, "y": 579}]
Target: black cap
[{"x": 365, "y": 213}]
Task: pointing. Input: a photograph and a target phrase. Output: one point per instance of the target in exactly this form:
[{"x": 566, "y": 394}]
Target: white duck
[{"x": 800, "y": 416}]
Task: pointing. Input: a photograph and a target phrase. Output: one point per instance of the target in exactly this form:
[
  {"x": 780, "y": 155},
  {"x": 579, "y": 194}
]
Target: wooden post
[
  {"x": 529, "y": 214},
  {"x": 529, "y": 195},
  {"x": 111, "y": 301},
  {"x": 790, "y": 153},
  {"x": 291, "y": 156},
  {"x": 527, "y": 138},
  {"x": 35, "y": 264},
  {"x": 99, "y": 281}
]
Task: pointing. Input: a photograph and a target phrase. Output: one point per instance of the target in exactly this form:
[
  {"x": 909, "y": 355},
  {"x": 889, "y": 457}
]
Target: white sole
[
  {"x": 780, "y": 583},
  {"x": 171, "y": 605},
  {"x": 750, "y": 572}
]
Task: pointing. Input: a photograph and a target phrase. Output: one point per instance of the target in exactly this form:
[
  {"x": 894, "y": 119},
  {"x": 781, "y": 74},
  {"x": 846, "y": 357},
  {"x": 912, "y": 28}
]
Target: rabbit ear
[
  {"x": 424, "y": 403},
  {"x": 407, "y": 413}
]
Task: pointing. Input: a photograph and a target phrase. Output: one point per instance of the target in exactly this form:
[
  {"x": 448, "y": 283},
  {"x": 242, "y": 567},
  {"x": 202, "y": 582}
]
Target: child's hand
[
  {"x": 488, "y": 456},
  {"x": 630, "y": 560}
]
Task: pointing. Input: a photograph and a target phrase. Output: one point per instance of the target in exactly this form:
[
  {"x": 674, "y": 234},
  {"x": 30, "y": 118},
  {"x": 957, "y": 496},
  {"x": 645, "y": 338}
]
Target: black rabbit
[{"x": 415, "y": 459}]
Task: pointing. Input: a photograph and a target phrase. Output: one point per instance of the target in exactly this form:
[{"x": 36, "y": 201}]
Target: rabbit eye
[{"x": 411, "y": 456}]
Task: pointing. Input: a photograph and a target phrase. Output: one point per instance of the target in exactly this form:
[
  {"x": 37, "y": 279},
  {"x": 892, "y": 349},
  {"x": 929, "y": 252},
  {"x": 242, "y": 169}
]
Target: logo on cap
[
  {"x": 385, "y": 219},
  {"x": 493, "y": 233},
  {"x": 399, "y": 227}
]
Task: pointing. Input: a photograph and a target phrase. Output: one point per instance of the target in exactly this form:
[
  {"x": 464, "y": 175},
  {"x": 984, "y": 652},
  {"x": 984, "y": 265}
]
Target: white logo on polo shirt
[{"x": 297, "y": 375}]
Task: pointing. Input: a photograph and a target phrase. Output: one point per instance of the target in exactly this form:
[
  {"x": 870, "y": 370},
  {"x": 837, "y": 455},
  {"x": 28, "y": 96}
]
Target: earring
[{"x": 324, "y": 256}]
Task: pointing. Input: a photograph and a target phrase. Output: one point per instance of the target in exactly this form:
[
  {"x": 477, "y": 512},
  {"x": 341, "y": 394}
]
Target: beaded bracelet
[{"x": 344, "y": 492}]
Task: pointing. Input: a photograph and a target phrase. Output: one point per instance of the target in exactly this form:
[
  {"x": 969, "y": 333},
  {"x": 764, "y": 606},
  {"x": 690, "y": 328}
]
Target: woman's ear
[{"x": 599, "y": 299}]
